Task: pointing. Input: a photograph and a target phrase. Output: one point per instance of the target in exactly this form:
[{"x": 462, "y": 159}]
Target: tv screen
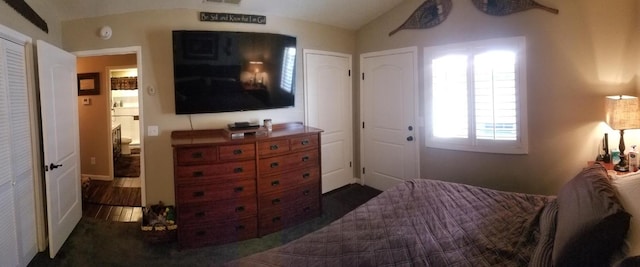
[{"x": 217, "y": 71}]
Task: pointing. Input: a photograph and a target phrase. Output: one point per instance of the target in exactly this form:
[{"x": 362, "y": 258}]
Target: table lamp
[{"x": 623, "y": 113}]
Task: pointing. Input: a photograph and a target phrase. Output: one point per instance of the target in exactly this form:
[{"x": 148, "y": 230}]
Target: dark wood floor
[{"x": 111, "y": 212}]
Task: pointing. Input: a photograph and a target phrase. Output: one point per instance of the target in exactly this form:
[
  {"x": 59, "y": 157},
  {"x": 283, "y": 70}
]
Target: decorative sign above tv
[
  {"x": 230, "y": 17},
  {"x": 216, "y": 71}
]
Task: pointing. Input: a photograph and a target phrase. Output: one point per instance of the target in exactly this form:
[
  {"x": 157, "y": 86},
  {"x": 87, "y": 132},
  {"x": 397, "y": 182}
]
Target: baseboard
[
  {"x": 357, "y": 180},
  {"x": 98, "y": 177}
]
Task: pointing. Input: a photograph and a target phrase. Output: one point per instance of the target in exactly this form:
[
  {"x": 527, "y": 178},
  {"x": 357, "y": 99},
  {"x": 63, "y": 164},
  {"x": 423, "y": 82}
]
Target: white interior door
[
  {"x": 389, "y": 108},
  {"x": 59, "y": 108},
  {"x": 328, "y": 105},
  {"x": 18, "y": 240}
]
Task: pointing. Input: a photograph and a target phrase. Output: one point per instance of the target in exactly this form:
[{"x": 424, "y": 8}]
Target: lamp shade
[{"x": 623, "y": 112}]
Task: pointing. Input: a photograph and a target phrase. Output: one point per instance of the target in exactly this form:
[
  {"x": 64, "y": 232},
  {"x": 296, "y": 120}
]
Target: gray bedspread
[{"x": 421, "y": 223}]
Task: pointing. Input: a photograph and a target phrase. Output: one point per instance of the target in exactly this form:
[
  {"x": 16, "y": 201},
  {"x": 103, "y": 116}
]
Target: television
[{"x": 219, "y": 71}]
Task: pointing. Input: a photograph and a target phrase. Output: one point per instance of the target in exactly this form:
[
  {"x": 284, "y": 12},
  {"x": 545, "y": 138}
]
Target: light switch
[
  {"x": 152, "y": 130},
  {"x": 86, "y": 101}
]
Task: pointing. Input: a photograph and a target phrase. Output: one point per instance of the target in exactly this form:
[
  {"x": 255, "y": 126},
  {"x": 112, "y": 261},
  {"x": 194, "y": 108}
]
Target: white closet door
[
  {"x": 22, "y": 164},
  {"x": 8, "y": 237},
  {"x": 18, "y": 244}
]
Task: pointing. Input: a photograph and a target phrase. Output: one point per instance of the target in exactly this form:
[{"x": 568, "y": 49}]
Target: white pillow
[{"x": 628, "y": 188}]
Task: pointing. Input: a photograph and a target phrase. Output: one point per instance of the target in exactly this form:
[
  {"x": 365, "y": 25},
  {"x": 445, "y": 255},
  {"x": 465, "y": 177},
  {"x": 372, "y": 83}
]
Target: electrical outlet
[
  {"x": 93, "y": 160},
  {"x": 152, "y": 130}
]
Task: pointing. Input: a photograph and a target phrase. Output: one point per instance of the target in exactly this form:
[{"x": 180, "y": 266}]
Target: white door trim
[
  {"x": 120, "y": 51},
  {"x": 414, "y": 51}
]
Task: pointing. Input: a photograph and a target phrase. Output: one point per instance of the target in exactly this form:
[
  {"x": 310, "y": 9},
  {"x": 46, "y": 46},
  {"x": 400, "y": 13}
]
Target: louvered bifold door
[
  {"x": 8, "y": 236},
  {"x": 18, "y": 243}
]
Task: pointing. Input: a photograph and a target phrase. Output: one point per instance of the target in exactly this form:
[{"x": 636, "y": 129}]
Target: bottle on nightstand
[{"x": 634, "y": 162}]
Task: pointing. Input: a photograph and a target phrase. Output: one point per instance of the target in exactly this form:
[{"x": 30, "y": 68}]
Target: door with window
[{"x": 389, "y": 93}]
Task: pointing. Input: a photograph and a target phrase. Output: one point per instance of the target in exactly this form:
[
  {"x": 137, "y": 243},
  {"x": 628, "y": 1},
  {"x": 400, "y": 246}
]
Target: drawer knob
[
  {"x": 237, "y": 152},
  {"x": 198, "y": 194},
  {"x": 306, "y": 209},
  {"x": 275, "y": 183},
  {"x": 306, "y": 175},
  {"x": 305, "y": 142},
  {"x": 196, "y": 155},
  {"x": 238, "y": 170},
  {"x": 239, "y": 227},
  {"x": 238, "y": 189},
  {"x": 200, "y": 214},
  {"x": 240, "y": 209},
  {"x": 275, "y": 201},
  {"x": 274, "y": 165},
  {"x": 198, "y": 174},
  {"x": 201, "y": 233},
  {"x": 306, "y": 192},
  {"x": 305, "y": 158},
  {"x": 273, "y": 147},
  {"x": 275, "y": 219}
]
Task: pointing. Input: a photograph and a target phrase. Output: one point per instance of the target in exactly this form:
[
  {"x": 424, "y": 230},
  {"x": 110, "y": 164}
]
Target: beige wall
[
  {"x": 151, "y": 30},
  {"x": 575, "y": 58},
  {"x": 12, "y": 19},
  {"x": 95, "y": 138}
]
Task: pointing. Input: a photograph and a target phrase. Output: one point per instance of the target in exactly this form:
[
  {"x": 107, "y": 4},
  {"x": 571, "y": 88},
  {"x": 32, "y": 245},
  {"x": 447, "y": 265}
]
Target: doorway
[
  {"x": 112, "y": 148},
  {"x": 389, "y": 94}
]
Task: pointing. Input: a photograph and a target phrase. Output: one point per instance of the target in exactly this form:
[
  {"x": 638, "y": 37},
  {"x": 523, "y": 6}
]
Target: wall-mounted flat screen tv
[{"x": 217, "y": 71}]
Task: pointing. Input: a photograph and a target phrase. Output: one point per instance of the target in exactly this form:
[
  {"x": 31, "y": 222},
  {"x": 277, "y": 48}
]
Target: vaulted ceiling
[{"x": 348, "y": 14}]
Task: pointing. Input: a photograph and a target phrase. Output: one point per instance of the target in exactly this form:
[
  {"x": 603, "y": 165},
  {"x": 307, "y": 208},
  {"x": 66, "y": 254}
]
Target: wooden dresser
[{"x": 234, "y": 189}]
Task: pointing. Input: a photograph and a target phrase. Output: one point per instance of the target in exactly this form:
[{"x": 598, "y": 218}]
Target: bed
[{"x": 434, "y": 223}]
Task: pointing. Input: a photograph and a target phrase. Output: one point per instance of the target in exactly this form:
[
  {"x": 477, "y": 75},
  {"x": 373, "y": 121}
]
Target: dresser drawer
[
  {"x": 273, "y": 147},
  {"x": 287, "y": 180},
  {"x": 304, "y": 142},
  {"x": 195, "y": 155},
  {"x": 277, "y": 219},
  {"x": 215, "y": 191},
  {"x": 214, "y": 234},
  {"x": 197, "y": 173},
  {"x": 279, "y": 164},
  {"x": 286, "y": 199},
  {"x": 237, "y": 152},
  {"x": 224, "y": 210}
]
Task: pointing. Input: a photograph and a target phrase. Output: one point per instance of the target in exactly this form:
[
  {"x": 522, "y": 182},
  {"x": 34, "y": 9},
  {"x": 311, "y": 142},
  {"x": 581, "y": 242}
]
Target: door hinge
[
  {"x": 350, "y": 164},
  {"x": 349, "y": 73},
  {"x": 363, "y": 76},
  {"x": 363, "y": 125},
  {"x": 363, "y": 171}
]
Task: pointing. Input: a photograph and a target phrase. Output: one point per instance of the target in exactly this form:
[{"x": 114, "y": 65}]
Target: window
[
  {"x": 288, "y": 65},
  {"x": 476, "y": 96}
]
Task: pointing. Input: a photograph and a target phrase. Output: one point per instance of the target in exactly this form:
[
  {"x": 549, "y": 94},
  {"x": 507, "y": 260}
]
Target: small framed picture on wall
[{"x": 89, "y": 83}]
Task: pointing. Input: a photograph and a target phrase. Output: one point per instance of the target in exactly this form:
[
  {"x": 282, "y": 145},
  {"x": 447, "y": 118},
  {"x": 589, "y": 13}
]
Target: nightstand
[{"x": 609, "y": 167}]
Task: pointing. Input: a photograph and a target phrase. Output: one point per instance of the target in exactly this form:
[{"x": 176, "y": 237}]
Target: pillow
[
  {"x": 542, "y": 254},
  {"x": 596, "y": 246},
  {"x": 628, "y": 188},
  {"x": 583, "y": 203}
]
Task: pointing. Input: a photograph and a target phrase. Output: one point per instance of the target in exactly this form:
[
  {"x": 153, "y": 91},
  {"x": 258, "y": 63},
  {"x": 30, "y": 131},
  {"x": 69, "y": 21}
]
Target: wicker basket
[{"x": 159, "y": 232}]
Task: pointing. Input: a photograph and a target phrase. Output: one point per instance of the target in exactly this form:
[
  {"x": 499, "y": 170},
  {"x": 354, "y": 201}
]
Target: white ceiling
[{"x": 348, "y": 14}]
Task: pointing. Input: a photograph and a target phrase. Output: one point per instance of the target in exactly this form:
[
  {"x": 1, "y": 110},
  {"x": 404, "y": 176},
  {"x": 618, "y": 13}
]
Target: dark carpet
[
  {"x": 127, "y": 166},
  {"x": 101, "y": 243},
  {"x": 103, "y": 192}
]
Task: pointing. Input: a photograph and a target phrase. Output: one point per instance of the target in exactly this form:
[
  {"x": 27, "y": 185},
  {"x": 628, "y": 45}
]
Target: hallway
[{"x": 117, "y": 200}]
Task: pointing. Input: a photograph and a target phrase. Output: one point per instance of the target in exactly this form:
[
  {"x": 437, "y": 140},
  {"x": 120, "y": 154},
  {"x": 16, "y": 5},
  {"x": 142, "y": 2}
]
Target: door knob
[
  {"x": 410, "y": 138},
  {"x": 54, "y": 166}
]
